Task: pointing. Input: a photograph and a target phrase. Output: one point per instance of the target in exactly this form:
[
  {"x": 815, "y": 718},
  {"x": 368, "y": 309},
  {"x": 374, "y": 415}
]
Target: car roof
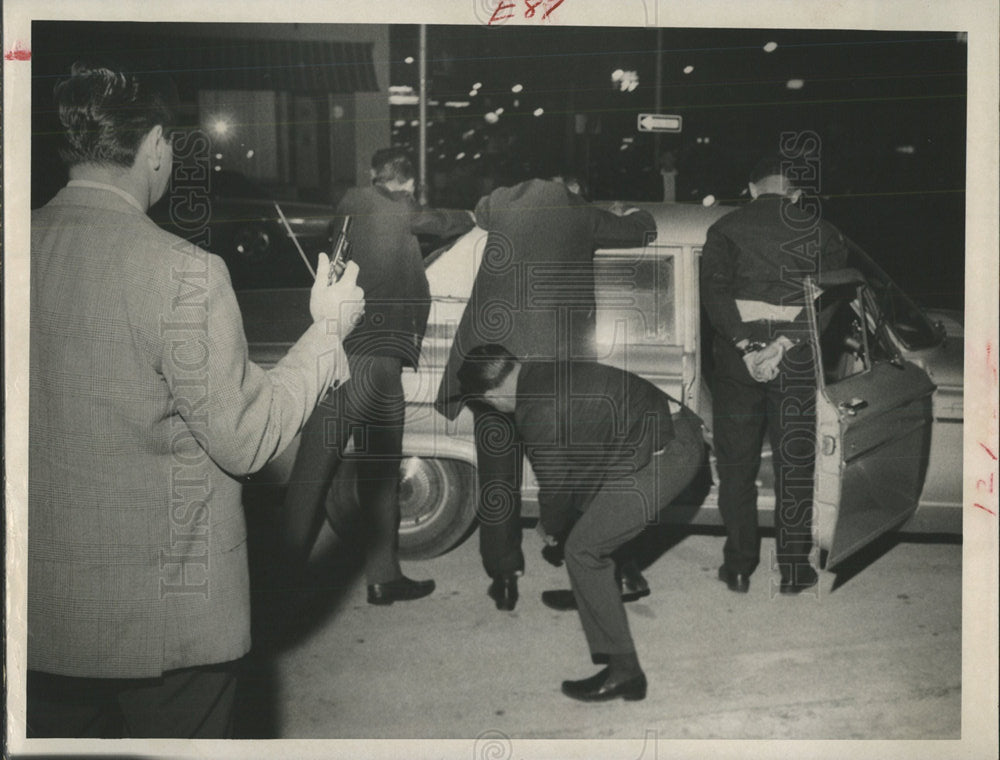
[
  {"x": 451, "y": 271},
  {"x": 684, "y": 223}
]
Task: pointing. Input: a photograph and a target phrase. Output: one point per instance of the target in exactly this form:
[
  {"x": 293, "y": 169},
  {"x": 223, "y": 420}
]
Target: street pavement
[{"x": 877, "y": 657}]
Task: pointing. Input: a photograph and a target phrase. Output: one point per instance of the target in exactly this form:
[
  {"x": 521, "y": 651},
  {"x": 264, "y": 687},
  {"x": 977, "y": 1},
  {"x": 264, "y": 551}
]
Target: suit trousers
[
  {"x": 189, "y": 703},
  {"x": 742, "y": 410},
  {"x": 369, "y": 408},
  {"x": 500, "y": 464},
  {"x": 621, "y": 509}
]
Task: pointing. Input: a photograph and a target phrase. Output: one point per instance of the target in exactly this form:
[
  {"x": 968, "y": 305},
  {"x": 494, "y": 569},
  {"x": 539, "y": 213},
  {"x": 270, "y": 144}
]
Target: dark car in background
[{"x": 242, "y": 225}]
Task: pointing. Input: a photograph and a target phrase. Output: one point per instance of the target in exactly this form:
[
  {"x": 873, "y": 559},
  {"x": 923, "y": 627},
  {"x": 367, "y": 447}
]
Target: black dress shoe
[
  {"x": 631, "y": 581},
  {"x": 401, "y": 589},
  {"x": 804, "y": 579},
  {"x": 564, "y": 599},
  {"x": 503, "y": 591},
  {"x": 738, "y": 582},
  {"x": 602, "y": 688}
]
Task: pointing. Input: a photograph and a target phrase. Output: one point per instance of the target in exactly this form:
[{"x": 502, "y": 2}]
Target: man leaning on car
[{"x": 144, "y": 410}]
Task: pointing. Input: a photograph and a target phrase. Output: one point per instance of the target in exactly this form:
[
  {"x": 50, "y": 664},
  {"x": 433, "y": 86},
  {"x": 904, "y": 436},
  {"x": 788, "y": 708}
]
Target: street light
[
  {"x": 626, "y": 81},
  {"x": 221, "y": 127}
]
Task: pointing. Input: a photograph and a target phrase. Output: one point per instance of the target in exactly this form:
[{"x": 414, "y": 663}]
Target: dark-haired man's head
[
  {"x": 774, "y": 174},
  {"x": 489, "y": 374},
  {"x": 116, "y": 125},
  {"x": 572, "y": 182},
  {"x": 393, "y": 169}
]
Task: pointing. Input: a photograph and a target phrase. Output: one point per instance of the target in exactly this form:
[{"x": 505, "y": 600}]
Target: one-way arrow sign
[{"x": 659, "y": 122}]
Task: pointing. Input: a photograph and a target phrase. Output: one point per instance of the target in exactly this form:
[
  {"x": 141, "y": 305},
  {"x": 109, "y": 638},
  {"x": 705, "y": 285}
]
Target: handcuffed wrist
[{"x": 750, "y": 347}]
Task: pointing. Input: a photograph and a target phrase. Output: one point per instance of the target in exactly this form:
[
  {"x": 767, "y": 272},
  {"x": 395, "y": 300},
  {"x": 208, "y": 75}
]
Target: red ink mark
[
  {"x": 980, "y": 484},
  {"x": 987, "y": 450},
  {"x": 18, "y": 54},
  {"x": 529, "y": 11},
  {"x": 501, "y": 6},
  {"x": 991, "y": 366},
  {"x": 985, "y": 509},
  {"x": 555, "y": 5}
]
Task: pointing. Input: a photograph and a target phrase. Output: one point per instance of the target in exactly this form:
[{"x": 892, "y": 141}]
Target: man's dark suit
[
  {"x": 760, "y": 255},
  {"x": 371, "y": 406},
  {"x": 608, "y": 457},
  {"x": 534, "y": 294}
]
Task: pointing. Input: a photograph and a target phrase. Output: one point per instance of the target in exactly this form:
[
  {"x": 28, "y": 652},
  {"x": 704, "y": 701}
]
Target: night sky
[{"x": 889, "y": 109}]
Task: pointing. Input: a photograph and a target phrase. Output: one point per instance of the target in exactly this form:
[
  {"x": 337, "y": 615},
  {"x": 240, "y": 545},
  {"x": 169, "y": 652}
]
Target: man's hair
[
  {"x": 391, "y": 164},
  {"x": 107, "y": 111},
  {"x": 485, "y": 368},
  {"x": 568, "y": 177},
  {"x": 777, "y": 165}
]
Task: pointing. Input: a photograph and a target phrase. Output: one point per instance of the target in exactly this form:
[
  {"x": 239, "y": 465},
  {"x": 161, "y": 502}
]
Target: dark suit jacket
[
  {"x": 582, "y": 424},
  {"x": 534, "y": 292},
  {"x": 383, "y": 234},
  {"x": 763, "y": 252}
]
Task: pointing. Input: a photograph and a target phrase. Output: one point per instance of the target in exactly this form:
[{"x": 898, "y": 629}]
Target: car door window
[
  {"x": 635, "y": 295},
  {"x": 852, "y": 336}
]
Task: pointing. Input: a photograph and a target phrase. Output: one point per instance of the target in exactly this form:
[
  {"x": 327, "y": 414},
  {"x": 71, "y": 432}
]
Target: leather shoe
[
  {"x": 503, "y": 591},
  {"x": 564, "y": 599},
  {"x": 631, "y": 581},
  {"x": 602, "y": 688},
  {"x": 804, "y": 579},
  {"x": 738, "y": 582},
  {"x": 401, "y": 589}
]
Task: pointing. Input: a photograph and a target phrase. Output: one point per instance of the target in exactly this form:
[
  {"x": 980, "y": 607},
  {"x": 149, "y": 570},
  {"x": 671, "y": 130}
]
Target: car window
[
  {"x": 635, "y": 294},
  {"x": 904, "y": 317},
  {"x": 852, "y": 337}
]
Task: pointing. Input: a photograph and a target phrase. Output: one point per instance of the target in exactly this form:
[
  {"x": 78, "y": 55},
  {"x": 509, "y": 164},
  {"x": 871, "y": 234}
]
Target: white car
[{"x": 889, "y": 427}]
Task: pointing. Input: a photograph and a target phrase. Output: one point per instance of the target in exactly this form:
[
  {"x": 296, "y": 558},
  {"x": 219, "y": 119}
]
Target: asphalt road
[{"x": 874, "y": 654}]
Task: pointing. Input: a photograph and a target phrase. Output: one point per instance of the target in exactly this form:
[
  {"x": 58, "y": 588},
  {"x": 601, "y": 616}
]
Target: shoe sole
[
  {"x": 732, "y": 586},
  {"x": 796, "y": 590},
  {"x": 628, "y": 696},
  {"x": 630, "y": 596},
  {"x": 385, "y": 602}
]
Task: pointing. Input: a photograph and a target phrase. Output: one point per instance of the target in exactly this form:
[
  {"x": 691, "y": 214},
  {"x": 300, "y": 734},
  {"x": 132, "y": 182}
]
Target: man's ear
[
  {"x": 154, "y": 148},
  {"x": 754, "y": 190}
]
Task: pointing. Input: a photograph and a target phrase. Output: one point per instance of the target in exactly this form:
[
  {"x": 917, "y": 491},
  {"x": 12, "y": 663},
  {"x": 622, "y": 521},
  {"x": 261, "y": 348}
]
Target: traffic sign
[{"x": 659, "y": 122}]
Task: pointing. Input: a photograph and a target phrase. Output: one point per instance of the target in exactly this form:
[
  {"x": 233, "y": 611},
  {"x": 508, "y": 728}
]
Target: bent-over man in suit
[
  {"x": 144, "y": 411},
  {"x": 609, "y": 453},
  {"x": 534, "y": 293}
]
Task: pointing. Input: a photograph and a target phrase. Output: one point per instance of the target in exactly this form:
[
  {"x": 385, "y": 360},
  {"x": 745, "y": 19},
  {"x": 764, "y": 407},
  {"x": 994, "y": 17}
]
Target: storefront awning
[
  {"x": 302, "y": 67},
  {"x": 197, "y": 62}
]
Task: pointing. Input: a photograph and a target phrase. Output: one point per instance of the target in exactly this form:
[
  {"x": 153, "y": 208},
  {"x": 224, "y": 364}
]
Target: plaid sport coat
[{"x": 144, "y": 409}]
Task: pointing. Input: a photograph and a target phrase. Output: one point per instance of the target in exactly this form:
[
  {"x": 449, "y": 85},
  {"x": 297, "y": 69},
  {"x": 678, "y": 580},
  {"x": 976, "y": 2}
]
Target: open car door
[{"x": 873, "y": 413}]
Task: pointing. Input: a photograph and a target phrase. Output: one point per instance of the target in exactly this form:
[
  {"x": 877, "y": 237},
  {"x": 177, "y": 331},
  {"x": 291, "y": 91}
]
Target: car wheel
[{"x": 436, "y": 504}]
